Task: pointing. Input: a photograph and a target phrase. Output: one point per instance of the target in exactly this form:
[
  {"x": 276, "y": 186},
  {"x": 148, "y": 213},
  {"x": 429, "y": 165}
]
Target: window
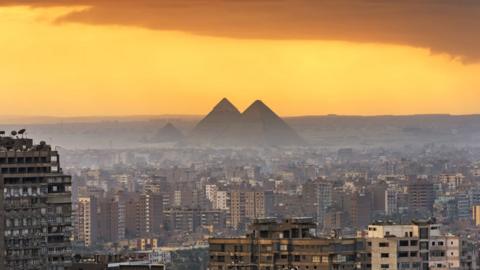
[
  {"x": 423, "y": 233},
  {"x": 403, "y": 243},
  {"x": 385, "y": 255},
  {"x": 403, "y": 254},
  {"x": 383, "y": 244},
  {"x": 316, "y": 259},
  {"x": 384, "y": 266},
  {"x": 438, "y": 253},
  {"x": 413, "y": 242}
]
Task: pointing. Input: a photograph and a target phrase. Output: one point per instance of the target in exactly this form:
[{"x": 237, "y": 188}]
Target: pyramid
[
  {"x": 262, "y": 126},
  {"x": 211, "y": 129},
  {"x": 258, "y": 125},
  {"x": 168, "y": 133}
]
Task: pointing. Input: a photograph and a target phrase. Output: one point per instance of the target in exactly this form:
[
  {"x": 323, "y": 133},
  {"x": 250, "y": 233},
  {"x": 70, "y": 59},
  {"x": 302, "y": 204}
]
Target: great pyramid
[
  {"x": 258, "y": 125},
  {"x": 211, "y": 129}
]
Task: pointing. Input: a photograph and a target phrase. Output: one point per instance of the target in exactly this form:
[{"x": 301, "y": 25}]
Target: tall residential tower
[{"x": 36, "y": 205}]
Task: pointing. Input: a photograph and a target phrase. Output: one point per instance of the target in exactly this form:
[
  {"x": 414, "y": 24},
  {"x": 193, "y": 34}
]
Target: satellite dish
[
  {"x": 21, "y": 131},
  {"x": 2, "y": 132},
  {"x": 13, "y": 133}
]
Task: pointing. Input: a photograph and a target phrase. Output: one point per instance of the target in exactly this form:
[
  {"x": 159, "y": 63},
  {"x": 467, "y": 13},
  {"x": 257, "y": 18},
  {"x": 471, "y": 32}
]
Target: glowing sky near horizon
[{"x": 75, "y": 69}]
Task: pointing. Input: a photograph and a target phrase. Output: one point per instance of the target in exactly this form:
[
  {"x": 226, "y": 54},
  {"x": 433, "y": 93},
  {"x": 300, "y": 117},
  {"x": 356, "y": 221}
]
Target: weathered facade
[
  {"x": 290, "y": 244},
  {"x": 36, "y": 205}
]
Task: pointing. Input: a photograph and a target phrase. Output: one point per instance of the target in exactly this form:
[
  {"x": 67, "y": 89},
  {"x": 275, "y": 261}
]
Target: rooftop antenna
[{"x": 21, "y": 132}]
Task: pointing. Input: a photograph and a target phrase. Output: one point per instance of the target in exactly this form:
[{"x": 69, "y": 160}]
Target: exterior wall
[
  {"x": 380, "y": 231},
  {"x": 383, "y": 253}
]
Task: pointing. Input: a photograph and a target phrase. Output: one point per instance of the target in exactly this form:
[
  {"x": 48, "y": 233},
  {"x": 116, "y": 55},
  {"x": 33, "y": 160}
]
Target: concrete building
[
  {"x": 110, "y": 220},
  {"x": 476, "y": 215},
  {"x": 290, "y": 244},
  {"x": 191, "y": 220},
  {"x": 419, "y": 245},
  {"x": 85, "y": 220},
  {"x": 244, "y": 206},
  {"x": 421, "y": 195},
  {"x": 37, "y": 206},
  {"x": 391, "y": 201},
  {"x": 324, "y": 200},
  {"x": 211, "y": 192},
  {"x": 221, "y": 200}
]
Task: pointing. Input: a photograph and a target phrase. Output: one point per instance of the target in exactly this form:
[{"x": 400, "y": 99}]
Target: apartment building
[
  {"x": 36, "y": 205},
  {"x": 289, "y": 244},
  {"x": 420, "y": 245}
]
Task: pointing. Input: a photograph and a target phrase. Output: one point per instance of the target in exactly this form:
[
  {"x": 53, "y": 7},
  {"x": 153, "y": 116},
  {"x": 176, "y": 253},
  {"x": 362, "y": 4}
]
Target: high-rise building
[
  {"x": 476, "y": 215},
  {"x": 86, "y": 220},
  {"x": 324, "y": 200},
  {"x": 37, "y": 206},
  {"x": 110, "y": 220},
  {"x": 421, "y": 195},
  {"x": 248, "y": 205},
  {"x": 391, "y": 201}
]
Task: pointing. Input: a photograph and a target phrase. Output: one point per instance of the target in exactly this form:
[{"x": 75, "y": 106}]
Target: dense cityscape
[{"x": 239, "y": 135}]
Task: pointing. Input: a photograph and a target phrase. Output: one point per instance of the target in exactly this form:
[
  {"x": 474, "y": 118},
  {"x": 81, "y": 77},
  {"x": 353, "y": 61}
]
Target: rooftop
[{"x": 18, "y": 142}]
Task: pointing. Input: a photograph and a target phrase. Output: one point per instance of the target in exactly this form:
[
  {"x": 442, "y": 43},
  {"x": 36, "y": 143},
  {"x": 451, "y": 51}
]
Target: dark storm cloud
[{"x": 444, "y": 26}]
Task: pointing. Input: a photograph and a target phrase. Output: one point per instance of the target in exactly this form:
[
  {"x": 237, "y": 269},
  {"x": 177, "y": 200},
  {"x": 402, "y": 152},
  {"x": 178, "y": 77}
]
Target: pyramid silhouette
[
  {"x": 168, "y": 133},
  {"x": 258, "y": 125},
  {"x": 216, "y": 124}
]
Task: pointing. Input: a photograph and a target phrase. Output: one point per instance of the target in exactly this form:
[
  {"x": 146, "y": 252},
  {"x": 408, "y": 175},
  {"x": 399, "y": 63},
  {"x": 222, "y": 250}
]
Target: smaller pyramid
[{"x": 168, "y": 133}]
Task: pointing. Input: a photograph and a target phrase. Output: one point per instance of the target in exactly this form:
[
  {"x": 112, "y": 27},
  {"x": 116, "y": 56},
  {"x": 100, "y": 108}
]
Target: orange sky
[{"x": 77, "y": 69}]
